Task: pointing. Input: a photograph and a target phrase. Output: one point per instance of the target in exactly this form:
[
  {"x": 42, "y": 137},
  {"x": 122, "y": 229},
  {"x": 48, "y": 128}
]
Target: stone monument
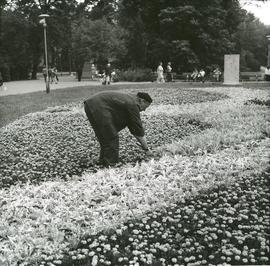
[
  {"x": 87, "y": 73},
  {"x": 231, "y": 69}
]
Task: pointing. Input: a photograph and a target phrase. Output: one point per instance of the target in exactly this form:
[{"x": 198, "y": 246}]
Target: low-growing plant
[
  {"x": 226, "y": 224},
  {"x": 135, "y": 75},
  {"x": 259, "y": 102},
  {"x": 215, "y": 182}
]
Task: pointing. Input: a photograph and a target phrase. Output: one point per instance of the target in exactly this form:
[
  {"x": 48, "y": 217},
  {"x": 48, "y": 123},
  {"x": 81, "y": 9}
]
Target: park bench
[{"x": 251, "y": 76}]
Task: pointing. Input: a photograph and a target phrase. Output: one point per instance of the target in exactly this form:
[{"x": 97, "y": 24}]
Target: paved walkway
[{"x": 26, "y": 86}]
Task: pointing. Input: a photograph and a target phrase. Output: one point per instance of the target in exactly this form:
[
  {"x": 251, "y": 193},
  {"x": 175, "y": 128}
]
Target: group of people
[
  {"x": 107, "y": 75},
  {"x": 201, "y": 75},
  {"x": 160, "y": 73},
  {"x": 198, "y": 75},
  {"x": 53, "y": 74}
]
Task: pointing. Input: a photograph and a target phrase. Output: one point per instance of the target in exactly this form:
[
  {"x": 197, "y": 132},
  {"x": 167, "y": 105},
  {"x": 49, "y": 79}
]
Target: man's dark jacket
[{"x": 113, "y": 111}]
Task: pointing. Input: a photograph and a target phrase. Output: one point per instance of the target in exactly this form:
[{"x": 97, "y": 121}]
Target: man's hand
[{"x": 148, "y": 153}]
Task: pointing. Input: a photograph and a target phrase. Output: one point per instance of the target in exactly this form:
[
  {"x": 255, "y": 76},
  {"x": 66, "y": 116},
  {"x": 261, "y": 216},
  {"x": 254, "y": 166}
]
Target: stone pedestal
[
  {"x": 231, "y": 69},
  {"x": 86, "y": 74}
]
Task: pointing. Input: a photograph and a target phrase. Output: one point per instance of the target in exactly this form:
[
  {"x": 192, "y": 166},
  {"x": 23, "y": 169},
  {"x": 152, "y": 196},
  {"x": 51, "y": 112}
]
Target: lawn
[
  {"x": 203, "y": 199},
  {"x": 14, "y": 106}
]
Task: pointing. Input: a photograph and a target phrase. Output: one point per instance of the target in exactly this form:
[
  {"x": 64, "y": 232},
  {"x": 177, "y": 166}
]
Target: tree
[
  {"x": 104, "y": 9},
  {"x": 15, "y": 46},
  {"x": 186, "y": 32},
  {"x": 97, "y": 41},
  {"x": 62, "y": 13},
  {"x": 3, "y": 3},
  {"x": 251, "y": 43}
]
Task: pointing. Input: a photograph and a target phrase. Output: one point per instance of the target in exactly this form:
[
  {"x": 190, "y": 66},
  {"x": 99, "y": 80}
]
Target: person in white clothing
[
  {"x": 201, "y": 75},
  {"x": 216, "y": 74},
  {"x": 160, "y": 75}
]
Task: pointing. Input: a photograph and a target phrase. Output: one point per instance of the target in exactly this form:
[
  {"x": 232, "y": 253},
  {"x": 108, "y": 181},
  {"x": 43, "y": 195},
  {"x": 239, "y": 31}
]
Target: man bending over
[{"x": 108, "y": 113}]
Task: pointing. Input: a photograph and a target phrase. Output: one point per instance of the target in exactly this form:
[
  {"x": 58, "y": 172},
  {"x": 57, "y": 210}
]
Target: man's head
[{"x": 144, "y": 100}]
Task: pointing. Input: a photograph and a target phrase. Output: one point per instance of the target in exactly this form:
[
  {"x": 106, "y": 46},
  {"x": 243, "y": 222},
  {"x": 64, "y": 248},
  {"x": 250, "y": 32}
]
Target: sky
[{"x": 260, "y": 10}]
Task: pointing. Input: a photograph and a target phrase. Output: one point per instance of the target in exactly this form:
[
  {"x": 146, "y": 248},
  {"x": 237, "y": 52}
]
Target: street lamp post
[
  {"x": 268, "y": 55},
  {"x": 43, "y": 22},
  {"x": 60, "y": 59}
]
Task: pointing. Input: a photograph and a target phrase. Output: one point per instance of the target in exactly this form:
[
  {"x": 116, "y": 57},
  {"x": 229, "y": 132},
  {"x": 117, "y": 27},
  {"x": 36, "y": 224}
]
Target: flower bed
[
  {"x": 176, "y": 96},
  {"x": 60, "y": 142},
  {"x": 228, "y": 224},
  {"x": 52, "y": 217}
]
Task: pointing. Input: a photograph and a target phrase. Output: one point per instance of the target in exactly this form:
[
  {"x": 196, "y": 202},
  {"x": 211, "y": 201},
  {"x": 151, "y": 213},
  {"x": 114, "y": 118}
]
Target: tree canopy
[{"x": 129, "y": 33}]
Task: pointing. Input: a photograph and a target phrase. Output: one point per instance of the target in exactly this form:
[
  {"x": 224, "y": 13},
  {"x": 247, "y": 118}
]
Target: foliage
[
  {"x": 104, "y": 9},
  {"x": 136, "y": 75},
  {"x": 251, "y": 43},
  {"x": 187, "y": 34},
  {"x": 58, "y": 128},
  {"x": 259, "y": 102},
  {"x": 218, "y": 225},
  {"x": 42, "y": 221},
  {"x": 58, "y": 30},
  {"x": 137, "y": 34},
  {"x": 15, "y": 46},
  {"x": 97, "y": 41}
]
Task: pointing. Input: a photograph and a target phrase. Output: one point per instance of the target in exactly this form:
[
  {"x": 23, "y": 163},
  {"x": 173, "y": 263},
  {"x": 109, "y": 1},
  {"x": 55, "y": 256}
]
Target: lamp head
[
  {"x": 44, "y": 16},
  {"x": 43, "y": 19}
]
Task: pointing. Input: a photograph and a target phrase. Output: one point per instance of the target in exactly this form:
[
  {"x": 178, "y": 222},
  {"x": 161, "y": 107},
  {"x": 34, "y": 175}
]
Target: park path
[
  {"x": 67, "y": 81},
  {"x": 26, "y": 86}
]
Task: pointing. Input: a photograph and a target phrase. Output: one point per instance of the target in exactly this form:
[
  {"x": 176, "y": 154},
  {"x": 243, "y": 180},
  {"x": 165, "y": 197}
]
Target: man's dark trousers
[{"x": 109, "y": 148}]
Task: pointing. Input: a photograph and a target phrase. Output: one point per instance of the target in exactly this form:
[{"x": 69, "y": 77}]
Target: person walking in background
[
  {"x": 216, "y": 74},
  {"x": 93, "y": 71},
  {"x": 103, "y": 77},
  {"x": 108, "y": 113},
  {"x": 108, "y": 74},
  {"x": 50, "y": 74},
  {"x": 53, "y": 78},
  {"x": 160, "y": 75},
  {"x": 169, "y": 72},
  {"x": 44, "y": 72},
  {"x": 267, "y": 74},
  {"x": 55, "y": 75}
]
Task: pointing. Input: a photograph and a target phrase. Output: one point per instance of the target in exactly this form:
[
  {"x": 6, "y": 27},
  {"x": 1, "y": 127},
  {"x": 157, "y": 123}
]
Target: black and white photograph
[{"x": 134, "y": 132}]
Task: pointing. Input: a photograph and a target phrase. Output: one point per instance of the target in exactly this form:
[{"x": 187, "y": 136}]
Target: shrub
[{"x": 137, "y": 74}]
